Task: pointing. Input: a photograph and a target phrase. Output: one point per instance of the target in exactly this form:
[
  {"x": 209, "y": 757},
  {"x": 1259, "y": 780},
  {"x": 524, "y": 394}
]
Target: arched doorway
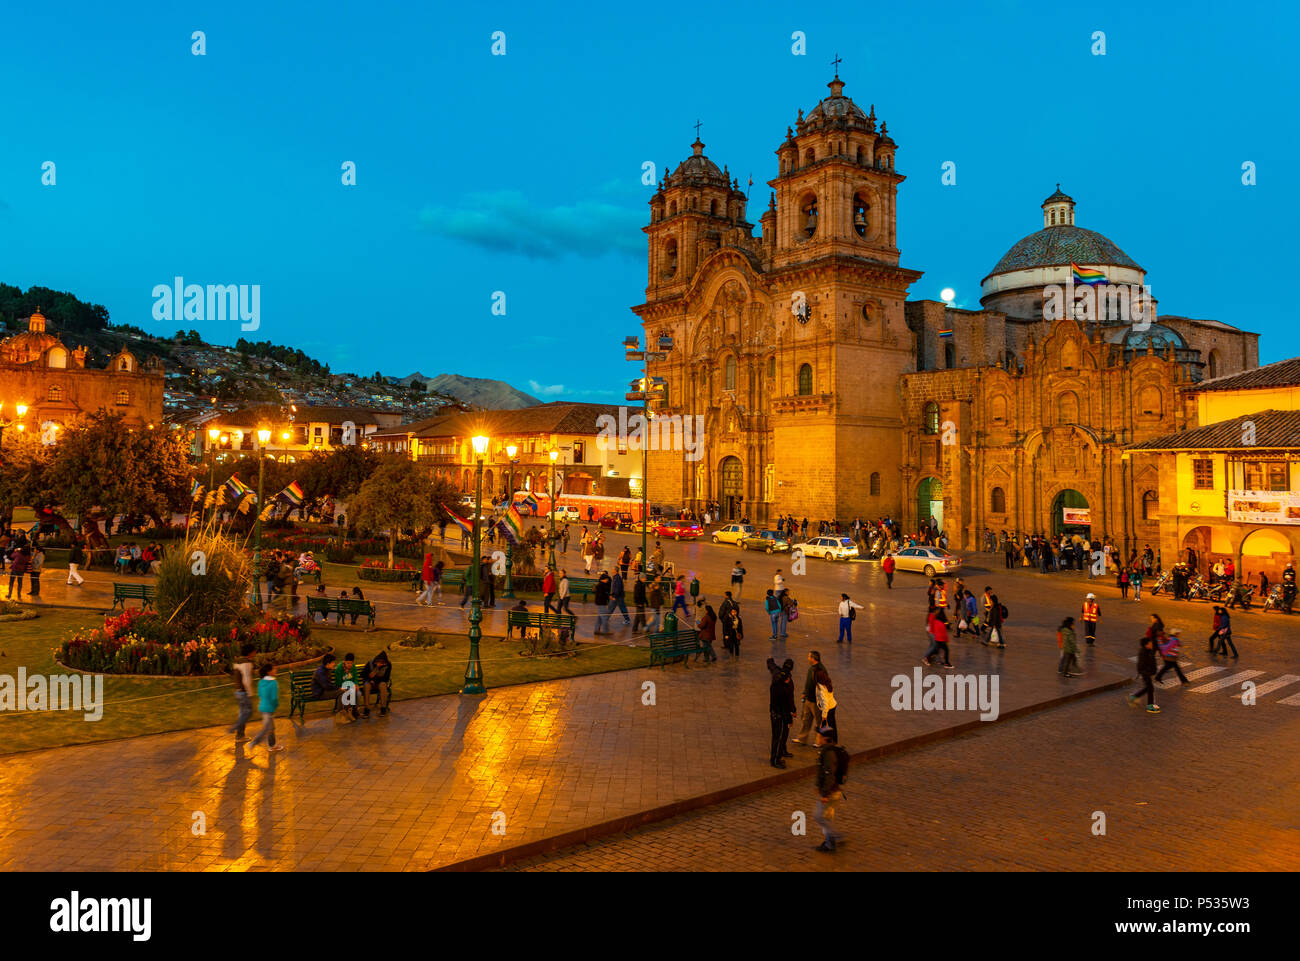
[
  {"x": 732, "y": 475},
  {"x": 488, "y": 489},
  {"x": 1264, "y": 550},
  {"x": 1071, "y": 514},
  {"x": 1196, "y": 548},
  {"x": 579, "y": 483},
  {"x": 929, "y": 503}
]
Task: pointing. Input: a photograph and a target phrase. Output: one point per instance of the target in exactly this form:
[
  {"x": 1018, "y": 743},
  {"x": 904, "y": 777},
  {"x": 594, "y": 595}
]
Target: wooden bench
[
  {"x": 536, "y": 621},
  {"x": 667, "y": 646},
  {"x": 584, "y": 586},
  {"x": 340, "y": 606},
  {"x": 300, "y": 694},
  {"x": 453, "y": 578},
  {"x": 144, "y": 593}
]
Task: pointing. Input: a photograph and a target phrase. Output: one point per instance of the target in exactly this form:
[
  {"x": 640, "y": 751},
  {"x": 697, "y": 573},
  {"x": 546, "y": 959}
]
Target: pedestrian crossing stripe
[
  {"x": 1191, "y": 676},
  {"x": 1223, "y": 682},
  {"x": 1268, "y": 686}
]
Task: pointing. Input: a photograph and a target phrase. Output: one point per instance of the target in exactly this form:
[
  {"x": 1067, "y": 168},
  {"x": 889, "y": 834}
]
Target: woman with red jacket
[{"x": 937, "y": 625}]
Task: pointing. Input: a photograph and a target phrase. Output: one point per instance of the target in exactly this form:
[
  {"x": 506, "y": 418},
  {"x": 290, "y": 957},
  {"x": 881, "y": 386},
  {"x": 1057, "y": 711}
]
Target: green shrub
[{"x": 190, "y": 600}]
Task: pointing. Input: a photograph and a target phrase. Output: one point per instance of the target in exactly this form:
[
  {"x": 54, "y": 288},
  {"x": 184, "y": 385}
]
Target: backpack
[
  {"x": 841, "y": 764},
  {"x": 853, "y": 613},
  {"x": 1003, "y": 612}
]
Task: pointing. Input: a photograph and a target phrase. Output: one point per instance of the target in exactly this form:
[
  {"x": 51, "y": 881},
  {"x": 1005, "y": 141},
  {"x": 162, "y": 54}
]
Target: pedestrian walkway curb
[{"x": 630, "y": 822}]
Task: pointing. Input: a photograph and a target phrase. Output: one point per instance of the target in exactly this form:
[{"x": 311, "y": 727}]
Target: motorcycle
[
  {"x": 1274, "y": 600},
  {"x": 1241, "y": 594},
  {"x": 1163, "y": 583},
  {"x": 1197, "y": 589}
]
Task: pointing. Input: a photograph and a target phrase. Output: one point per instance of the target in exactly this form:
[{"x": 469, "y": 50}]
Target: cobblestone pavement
[{"x": 430, "y": 782}]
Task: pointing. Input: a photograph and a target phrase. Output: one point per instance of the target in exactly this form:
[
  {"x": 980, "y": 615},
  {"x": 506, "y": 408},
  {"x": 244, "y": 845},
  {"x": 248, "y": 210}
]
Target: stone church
[{"x": 827, "y": 394}]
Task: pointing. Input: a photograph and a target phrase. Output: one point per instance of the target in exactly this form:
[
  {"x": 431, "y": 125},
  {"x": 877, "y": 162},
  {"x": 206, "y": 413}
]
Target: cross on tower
[
  {"x": 836, "y": 64},
  {"x": 697, "y": 130}
]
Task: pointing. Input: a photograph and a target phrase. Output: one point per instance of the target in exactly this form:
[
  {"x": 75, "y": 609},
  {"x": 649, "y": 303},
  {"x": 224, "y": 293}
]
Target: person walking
[
  {"x": 995, "y": 616},
  {"x": 826, "y": 699},
  {"x": 548, "y": 592},
  {"x": 831, "y": 762},
  {"x": 1146, "y": 667},
  {"x": 624, "y": 561},
  {"x": 76, "y": 558},
  {"x": 1091, "y": 614},
  {"x": 780, "y": 708},
  {"x": 603, "y": 607},
  {"x": 425, "y": 596},
  {"x": 778, "y": 582},
  {"x": 679, "y": 594},
  {"x": 639, "y": 602},
  {"x": 1223, "y": 632},
  {"x": 564, "y": 538},
  {"x": 1069, "y": 646},
  {"x": 1135, "y": 579},
  {"x": 19, "y": 564},
  {"x": 1169, "y": 656},
  {"x": 562, "y": 593},
  {"x": 618, "y": 596},
  {"x": 810, "y": 720},
  {"x": 245, "y": 690},
  {"x": 725, "y": 612},
  {"x": 848, "y": 614},
  {"x": 268, "y": 699},
  {"x": 588, "y": 551},
  {"x": 34, "y": 571},
  {"x": 887, "y": 565},
  {"x": 655, "y": 595},
  {"x": 936, "y": 626},
  {"x": 1123, "y": 583},
  {"x": 737, "y": 578},
  {"x": 708, "y": 628}
]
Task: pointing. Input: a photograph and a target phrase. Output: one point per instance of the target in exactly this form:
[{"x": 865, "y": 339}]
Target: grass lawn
[{"x": 135, "y": 706}]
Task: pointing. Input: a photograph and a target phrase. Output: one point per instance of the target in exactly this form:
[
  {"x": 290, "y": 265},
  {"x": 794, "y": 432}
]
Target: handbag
[{"x": 793, "y": 615}]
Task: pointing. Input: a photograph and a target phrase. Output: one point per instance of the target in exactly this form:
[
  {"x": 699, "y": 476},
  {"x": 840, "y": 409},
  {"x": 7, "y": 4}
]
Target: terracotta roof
[
  {"x": 1274, "y": 429},
  {"x": 555, "y": 418},
  {"x": 1285, "y": 373},
  {"x": 274, "y": 413}
]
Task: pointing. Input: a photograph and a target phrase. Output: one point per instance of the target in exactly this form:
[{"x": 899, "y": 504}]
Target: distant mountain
[{"x": 489, "y": 394}]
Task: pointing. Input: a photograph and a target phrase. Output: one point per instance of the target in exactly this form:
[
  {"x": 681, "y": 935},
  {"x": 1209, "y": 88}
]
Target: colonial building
[
  {"x": 295, "y": 429},
  {"x": 1229, "y": 487},
  {"x": 592, "y": 460},
  {"x": 38, "y": 371},
  {"x": 825, "y": 393}
]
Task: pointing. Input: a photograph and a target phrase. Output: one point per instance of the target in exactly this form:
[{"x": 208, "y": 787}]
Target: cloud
[
  {"x": 505, "y": 221},
  {"x": 543, "y": 390},
  {"x": 558, "y": 390}
]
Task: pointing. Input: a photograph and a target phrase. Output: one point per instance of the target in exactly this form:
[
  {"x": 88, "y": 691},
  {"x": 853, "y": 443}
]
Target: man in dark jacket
[
  {"x": 727, "y": 614},
  {"x": 993, "y": 607},
  {"x": 1146, "y": 668},
  {"x": 376, "y": 678},
  {"x": 600, "y": 594},
  {"x": 639, "y": 599},
  {"x": 811, "y": 718},
  {"x": 487, "y": 586},
  {"x": 780, "y": 705},
  {"x": 828, "y": 788},
  {"x": 618, "y": 596},
  {"x": 323, "y": 687}
]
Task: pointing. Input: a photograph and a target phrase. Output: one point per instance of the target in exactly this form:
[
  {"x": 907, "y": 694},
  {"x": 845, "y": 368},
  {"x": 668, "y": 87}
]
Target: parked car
[
  {"x": 830, "y": 548},
  {"x": 732, "y": 533},
  {"x": 678, "y": 530},
  {"x": 927, "y": 560},
  {"x": 566, "y": 513},
  {"x": 616, "y": 521},
  {"x": 768, "y": 541}
]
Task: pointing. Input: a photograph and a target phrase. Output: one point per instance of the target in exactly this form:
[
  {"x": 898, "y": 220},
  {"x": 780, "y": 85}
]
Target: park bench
[
  {"x": 530, "y": 621},
  {"x": 122, "y": 593},
  {"x": 582, "y": 586},
  {"x": 300, "y": 694},
  {"x": 453, "y": 579},
  {"x": 341, "y": 606},
  {"x": 667, "y": 646}
]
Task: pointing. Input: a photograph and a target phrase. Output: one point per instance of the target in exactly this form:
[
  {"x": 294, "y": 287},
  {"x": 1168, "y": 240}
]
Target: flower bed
[
  {"x": 141, "y": 642},
  {"x": 401, "y": 573}
]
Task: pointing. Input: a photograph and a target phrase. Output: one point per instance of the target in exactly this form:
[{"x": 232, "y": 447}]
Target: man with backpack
[
  {"x": 848, "y": 614},
  {"x": 832, "y": 769},
  {"x": 780, "y": 708}
]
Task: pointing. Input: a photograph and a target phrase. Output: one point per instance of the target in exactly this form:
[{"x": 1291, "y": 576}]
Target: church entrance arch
[
  {"x": 929, "y": 503},
  {"x": 732, "y": 476},
  {"x": 1071, "y": 514}
]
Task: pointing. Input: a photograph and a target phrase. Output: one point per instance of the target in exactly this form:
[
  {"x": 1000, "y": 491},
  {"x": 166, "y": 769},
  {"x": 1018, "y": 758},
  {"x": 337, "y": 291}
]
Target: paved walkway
[{"x": 430, "y": 783}]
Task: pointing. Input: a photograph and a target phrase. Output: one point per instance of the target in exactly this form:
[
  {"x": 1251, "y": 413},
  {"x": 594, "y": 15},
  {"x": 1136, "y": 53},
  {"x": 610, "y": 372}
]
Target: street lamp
[
  {"x": 554, "y": 455},
  {"x": 21, "y": 410},
  {"x": 474, "y": 670},
  {"x": 214, "y": 433},
  {"x": 263, "y": 436},
  {"x": 511, "y": 451},
  {"x": 642, "y": 390}
]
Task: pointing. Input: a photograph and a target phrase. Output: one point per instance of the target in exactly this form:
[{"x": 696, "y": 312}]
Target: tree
[
  {"x": 337, "y": 473},
  {"x": 396, "y": 496},
  {"x": 103, "y": 464},
  {"x": 24, "y": 472}
]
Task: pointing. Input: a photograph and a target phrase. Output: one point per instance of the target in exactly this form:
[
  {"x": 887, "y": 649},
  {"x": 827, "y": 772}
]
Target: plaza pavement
[{"x": 545, "y": 762}]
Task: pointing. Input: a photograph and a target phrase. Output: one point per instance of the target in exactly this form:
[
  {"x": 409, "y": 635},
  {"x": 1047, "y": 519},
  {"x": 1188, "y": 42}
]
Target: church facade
[{"x": 826, "y": 393}]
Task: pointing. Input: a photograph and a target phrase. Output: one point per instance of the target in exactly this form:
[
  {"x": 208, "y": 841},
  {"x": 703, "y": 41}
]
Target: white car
[
  {"x": 927, "y": 560},
  {"x": 830, "y": 548},
  {"x": 732, "y": 533},
  {"x": 565, "y": 513}
]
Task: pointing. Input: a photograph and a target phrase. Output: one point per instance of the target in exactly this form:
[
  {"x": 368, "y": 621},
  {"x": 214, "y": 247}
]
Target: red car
[{"x": 678, "y": 530}]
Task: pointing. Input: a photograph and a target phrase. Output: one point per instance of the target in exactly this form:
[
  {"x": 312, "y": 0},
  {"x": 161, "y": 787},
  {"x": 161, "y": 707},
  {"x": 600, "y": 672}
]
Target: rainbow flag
[
  {"x": 946, "y": 333},
  {"x": 293, "y": 494},
  {"x": 238, "y": 488},
  {"x": 459, "y": 521},
  {"x": 1087, "y": 275},
  {"x": 530, "y": 501},
  {"x": 506, "y": 531},
  {"x": 196, "y": 490},
  {"x": 514, "y": 523}
]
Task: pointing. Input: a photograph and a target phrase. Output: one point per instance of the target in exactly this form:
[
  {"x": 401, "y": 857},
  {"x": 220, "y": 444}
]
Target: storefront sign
[
  {"x": 1081, "y": 516},
  {"x": 1264, "y": 507}
]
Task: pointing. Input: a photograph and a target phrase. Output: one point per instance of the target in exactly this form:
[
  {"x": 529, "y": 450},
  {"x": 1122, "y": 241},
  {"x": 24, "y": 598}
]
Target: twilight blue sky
[{"x": 522, "y": 173}]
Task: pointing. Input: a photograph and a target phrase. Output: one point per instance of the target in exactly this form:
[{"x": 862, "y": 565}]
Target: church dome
[
  {"x": 697, "y": 170},
  {"x": 837, "y": 107},
  {"x": 30, "y": 344},
  {"x": 1156, "y": 336},
  {"x": 1061, "y": 246}
]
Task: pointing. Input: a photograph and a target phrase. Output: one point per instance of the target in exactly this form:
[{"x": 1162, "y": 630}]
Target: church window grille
[
  {"x": 123, "y": 397},
  {"x": 930, "y": 418},
  {"x": 805, "y": 380},
  {"x": 1150, "y": 506},
  {"x": 874, "y": 487},
  {"x": 729, "y": 373},
  {"x": 54, "y": 393},
  {"x": 998, "y": 501},
  {"x": 1203, "y": 474}
]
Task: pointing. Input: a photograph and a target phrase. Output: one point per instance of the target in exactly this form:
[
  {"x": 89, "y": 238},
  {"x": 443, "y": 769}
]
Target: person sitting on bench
[
  {"x": 346, "y": 675},
  {"x": 323, "y": 687},
  {"x": 375, "y": 679},
  {"x": 356, "y": 596},
  {"x": 521, "y": 607}
]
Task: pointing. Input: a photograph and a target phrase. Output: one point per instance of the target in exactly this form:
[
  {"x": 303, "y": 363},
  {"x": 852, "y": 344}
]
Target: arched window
[
  {"x": 930, "y": 418},
  {"x": 810, "y": 156},
  {"x": 1150, "y": 506},
  {"x": 861, "y": 214},
  {"x": 1212, "y": 365},
  {"x": 672, "y": 209},
  {"x": 54, "y": 393},
  {"x": 1150, "y": 401},
  {"x": 809, "y": 208},
  {"x": 874, "y": 487},
  {"x": 998, "y": 409},
  {"x": 805, "y": 380},
  {"x": 949, "y": 354},
  {"x": 1052, "y": 218},
  {"x": 1067, "y": 408},
  {"x": 997, "y": 501},
  {"x": 862, "y": 156},
  {"x": 670, "y": 257},
  {"x": 730, "y": 374},
  {"x": 123, "y": 397},
  {"x": 713, "y": 208}
]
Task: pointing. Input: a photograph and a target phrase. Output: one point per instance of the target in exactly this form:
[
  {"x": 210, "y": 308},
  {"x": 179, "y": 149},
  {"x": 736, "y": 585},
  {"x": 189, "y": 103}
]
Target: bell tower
[{"x": 836, "y": 189}]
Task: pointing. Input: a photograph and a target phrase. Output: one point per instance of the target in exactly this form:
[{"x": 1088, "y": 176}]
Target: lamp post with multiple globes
[
  {"x": 263, "y": 437},
  {"x": 550, "y": 561},
  {"x": 644, "y": 389},
  {"x": 21, "y": 411},
  {"x": 511, "y": 451},
  {"x": 474, "y": 669}
]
